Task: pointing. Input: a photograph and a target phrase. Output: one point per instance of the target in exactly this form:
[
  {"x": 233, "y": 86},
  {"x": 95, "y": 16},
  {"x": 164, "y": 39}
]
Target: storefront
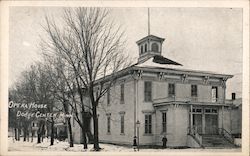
[{"x": 204, "y": 119}]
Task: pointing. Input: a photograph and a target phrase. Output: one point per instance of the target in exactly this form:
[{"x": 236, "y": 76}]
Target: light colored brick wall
[{"x": 115, "y": 108}]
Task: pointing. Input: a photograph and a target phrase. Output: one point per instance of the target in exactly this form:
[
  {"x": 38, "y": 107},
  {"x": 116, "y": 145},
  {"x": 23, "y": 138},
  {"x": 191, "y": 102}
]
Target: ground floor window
[
  {"x": 108, "y": 123},
  {"x": 148, "y": 124},
  {"x": 122, "y": 124},
  {"x": 164, "y": 122}
]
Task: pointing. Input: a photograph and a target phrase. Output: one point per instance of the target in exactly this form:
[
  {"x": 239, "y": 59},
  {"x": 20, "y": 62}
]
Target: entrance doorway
[
  {"x": 205, "y": 120},
  {"x": 197, "y": 122},
  {"x": 211, "y": 123}
]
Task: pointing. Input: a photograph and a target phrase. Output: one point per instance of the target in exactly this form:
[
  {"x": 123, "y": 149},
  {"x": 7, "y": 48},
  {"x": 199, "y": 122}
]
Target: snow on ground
[{"x": 64, "y": 146}]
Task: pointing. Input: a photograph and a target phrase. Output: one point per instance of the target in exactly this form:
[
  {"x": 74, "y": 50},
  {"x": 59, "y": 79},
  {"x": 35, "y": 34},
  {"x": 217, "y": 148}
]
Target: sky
[{"x": 208, "y": 39}]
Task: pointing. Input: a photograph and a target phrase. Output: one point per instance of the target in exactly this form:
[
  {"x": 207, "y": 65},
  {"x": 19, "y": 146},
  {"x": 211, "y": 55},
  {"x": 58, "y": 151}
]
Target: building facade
[{"x": 158, "y": 97}]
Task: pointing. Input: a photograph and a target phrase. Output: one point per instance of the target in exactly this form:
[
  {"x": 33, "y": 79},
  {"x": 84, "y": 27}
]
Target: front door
[
  {"x": 197, "y": 122},
  {"x": 211, "y": 123}
]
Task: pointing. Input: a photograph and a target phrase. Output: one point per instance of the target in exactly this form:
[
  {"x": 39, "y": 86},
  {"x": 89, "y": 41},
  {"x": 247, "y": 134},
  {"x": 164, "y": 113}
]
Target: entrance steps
[{"x": 216, "y": 141}]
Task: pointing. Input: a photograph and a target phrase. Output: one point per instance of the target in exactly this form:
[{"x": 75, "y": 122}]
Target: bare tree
[
  {"x": 91, "y": 45},
  {"x": 61, "y": 88},
  {"x": 32, "y": 87}
]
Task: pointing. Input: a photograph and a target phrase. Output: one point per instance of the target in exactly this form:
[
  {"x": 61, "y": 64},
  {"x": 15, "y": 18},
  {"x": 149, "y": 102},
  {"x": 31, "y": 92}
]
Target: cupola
[{"x": 149, "y": 46}]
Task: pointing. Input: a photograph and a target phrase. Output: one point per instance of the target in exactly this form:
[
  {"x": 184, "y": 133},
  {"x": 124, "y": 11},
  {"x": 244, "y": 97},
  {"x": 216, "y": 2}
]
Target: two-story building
[{"x": 158, "y": 96}]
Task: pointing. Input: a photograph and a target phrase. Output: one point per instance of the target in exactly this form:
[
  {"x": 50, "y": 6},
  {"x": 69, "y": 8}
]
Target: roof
[
  {"x": 162, "y": 63},
  {"x": 162, "y": 60},
  {"x": 153, "y": 37}
]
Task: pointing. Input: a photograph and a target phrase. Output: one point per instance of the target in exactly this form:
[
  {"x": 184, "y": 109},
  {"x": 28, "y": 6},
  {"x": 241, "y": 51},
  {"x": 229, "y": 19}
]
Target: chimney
[{"x": 233, "y": 96}]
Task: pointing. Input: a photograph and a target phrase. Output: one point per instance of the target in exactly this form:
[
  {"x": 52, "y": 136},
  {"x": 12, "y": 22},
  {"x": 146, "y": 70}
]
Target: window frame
[
  {"x": 148, "y": 124},
  {"x": 122, "y": 93},
  {"x": 194, "y": 93},
  {"x": 122, "y": 124},
  {"x": 141, "y": 49},
  {"x": 170, "y": 94},
  {"x": 108, "y": 97},
  {"x": 216, "y": 94},
  {"x": 145, "y": 47},
  {"x": 147, "y": 91},
  {"x": 108, "y": 124},
  {"x": 164, "y": 122},
  {"x": 157, "y": 47}
]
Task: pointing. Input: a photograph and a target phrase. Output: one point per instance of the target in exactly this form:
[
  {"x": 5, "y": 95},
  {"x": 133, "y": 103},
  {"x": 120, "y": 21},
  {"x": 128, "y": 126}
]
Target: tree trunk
[
  {"x": 52, "y": 132},
  {"x": 15, "y": 134},
  {"x": 71, "y": 141},
  {"x": 32, "y": 135},
  {"x": 28, "y": 135},
  {"x": 96, "y": 137},
  {"x": 85, "y": 145},
  {"x": 38, "y": 138},
  {"x": 24, "y": 134},
  {"x": 18, "y": 134}
]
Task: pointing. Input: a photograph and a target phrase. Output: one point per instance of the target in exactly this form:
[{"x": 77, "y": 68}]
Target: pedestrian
[
  {"x": 134, "y": 143},
  {"x": 164, "y": 142}
]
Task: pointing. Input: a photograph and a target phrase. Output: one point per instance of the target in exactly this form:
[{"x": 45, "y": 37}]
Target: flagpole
[{"x": 148, "y": 21}]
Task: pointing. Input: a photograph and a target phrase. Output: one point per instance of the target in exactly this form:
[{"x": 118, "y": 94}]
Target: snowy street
[{"x": 64, "y": 146}]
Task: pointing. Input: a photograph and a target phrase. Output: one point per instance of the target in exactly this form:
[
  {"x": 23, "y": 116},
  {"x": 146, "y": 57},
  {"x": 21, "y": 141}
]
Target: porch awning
[{"x": 187, "y": 101}]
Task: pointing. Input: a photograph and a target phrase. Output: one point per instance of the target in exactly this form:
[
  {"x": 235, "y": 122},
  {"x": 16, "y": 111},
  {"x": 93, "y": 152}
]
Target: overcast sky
[{"x": 207, "y": 39}]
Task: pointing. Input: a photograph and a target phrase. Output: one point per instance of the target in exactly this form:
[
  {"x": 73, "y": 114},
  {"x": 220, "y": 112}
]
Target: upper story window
[
  {"x": 194, "y": 91},
  {"x": 148, "y": 124},
  {"x": 147, "y": 91},
  {"x": 122, "y": 93},
  {"x": 171, "y": 89},
  {"x": 155, "y": 47},
  {"x": 146, "y": 47},
  {"x": 214, "y": 93},
  {"x": 108, "y": 97}
]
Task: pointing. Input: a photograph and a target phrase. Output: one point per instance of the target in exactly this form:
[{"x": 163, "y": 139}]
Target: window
[
  {"x": 164, "y": 122},
  {"x": 197, "y": 110},
  {"x": 122, "y": 93},
  {"x": 207, "y": 110},
  {"x": 194, "y": 90},
  {"x": 214, "y": 110},
  {"x": 214, "y": 93},
  {"x": 148, "y": 124},
  {"x": 122, "y": 124},
  {"x": 108, "y": 123},
  {"x": 108, "y": 97},
  {"x": 148, "y": 91},
  {"x": 155, "y": 47},
  {"x": 146, "y": 47},
  {"x": 211, "y": 110},
  {"x": 171, "y": 89},
  {"x": 141, "y": 49}
]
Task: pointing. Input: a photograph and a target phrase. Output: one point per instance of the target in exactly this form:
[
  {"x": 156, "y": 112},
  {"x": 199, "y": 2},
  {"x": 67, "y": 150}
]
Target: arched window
[
  {"x": 155, "y": 47},
  {"x": 141, "y": 49},
  {"x": 146, "y": 48}
]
